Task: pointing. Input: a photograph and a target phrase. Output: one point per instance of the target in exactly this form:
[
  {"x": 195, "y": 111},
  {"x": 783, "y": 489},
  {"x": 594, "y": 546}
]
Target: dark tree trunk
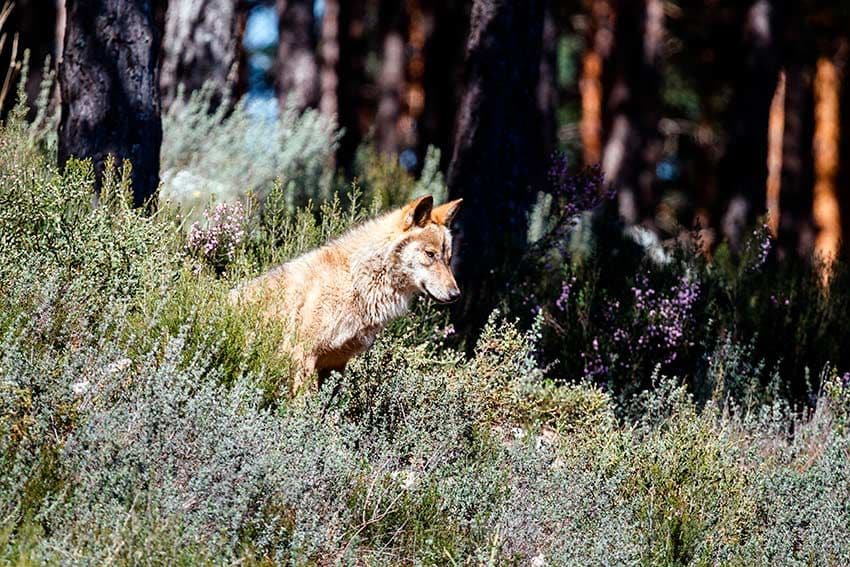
[
  {"x": 110, "y": 93},
  {"x": 32, "y": 26},
  {"x": 497, "y": 151},
  {"x": 391, "y": 82},
  {"x": 743, "y": 169},
  {"x": 547, "y": 86},
  {"x": 633, "y": 146},
  {"x": 796, "y": 227},
  {"x": 444, "y": 57},
  {"x": 297, "y": 66},
  {"x": 202, "y": 44},
  {"x": 351, "y": 71}
]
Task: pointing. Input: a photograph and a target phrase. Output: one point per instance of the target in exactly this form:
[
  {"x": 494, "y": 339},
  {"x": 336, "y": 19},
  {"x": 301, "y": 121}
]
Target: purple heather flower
[
  {"x": 761, "y": 244},
  {"x": 566, "y": 290},
  {"x": 217, "y": 239},
  {"x": 579, "y": 192}
]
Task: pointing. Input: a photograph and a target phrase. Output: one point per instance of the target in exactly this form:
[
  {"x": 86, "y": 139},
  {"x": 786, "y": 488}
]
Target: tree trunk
[
  {"x": 634, "y": 144},
  {"x": 826, "y": 212},
  {"x": 497, "y": 151},
  {"x": 202, "y": 44},
  {"x": 297, "y": 69},
  {"x": 600, "y": 37},
  {"x": 354, "y": 114},
  {"x": 844, "y": 158},
  {"x": 444, "y": 56},
  {"x": 110, "y": 94},
  {"x": 31, "y": 25},
  {"x": 391, "y": 82},
  {"x": 796, "y": 228},
  {"x": 329, "y": 50},
  {"x": 743, "y": 169},
  {"x": 547, "y": 86}
]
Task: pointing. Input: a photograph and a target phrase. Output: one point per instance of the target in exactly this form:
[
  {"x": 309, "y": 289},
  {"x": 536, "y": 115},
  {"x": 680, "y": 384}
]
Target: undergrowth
[{"x": 143, "y": 420}]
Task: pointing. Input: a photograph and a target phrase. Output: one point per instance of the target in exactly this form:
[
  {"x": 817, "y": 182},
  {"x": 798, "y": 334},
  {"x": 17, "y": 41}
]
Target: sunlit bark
[
  {"x": 775, "y": 131},
  {"x": 826, "y": 208}
]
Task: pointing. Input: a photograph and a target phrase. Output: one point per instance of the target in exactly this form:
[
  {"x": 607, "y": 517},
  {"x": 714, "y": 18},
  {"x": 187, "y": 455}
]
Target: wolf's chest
[{"x": 341, "y": 352}]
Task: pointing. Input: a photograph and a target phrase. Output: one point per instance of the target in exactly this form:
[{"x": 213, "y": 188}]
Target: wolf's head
[{"x": 425, "y": 249}]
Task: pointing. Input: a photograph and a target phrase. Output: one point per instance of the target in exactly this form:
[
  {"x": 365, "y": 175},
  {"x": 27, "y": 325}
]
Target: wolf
[{"x": 335, "y": 299}]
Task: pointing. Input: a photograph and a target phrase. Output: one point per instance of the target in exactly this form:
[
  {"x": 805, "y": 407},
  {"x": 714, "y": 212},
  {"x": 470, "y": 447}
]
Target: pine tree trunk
[
  {"x": 826, "y": 211},
  {"x": 202, "y": 44},
  {"x": 497, "y": 151},
  {"x": 743, "y": 169},
  {"x": 297, "y": 67},
  {"x": 634, "y": 144},
  {"x": 329, "y": 48},
  {"x": 444, "y": 56},
  {"x": 355, "y": 116},
  {"x": 796, "y": 229},
  {"x": 547, "y": 86},
  {"x": 844, "y": 159},
  {"x": 110, "y": 93},
  {"x": 600, "y": 36},
  {"x": 391, "y": 82},
  {"x": 30, "y": 26}
]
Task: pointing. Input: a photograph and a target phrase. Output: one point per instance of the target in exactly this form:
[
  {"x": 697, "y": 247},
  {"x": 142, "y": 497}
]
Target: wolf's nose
[{"x": 454, "y": 295}]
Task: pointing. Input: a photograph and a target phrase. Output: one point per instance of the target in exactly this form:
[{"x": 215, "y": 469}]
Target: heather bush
[{"x": 617, "y": 302}]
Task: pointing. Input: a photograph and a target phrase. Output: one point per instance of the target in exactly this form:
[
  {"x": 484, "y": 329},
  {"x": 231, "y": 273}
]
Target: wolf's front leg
[{"x": 304, "y": 371}]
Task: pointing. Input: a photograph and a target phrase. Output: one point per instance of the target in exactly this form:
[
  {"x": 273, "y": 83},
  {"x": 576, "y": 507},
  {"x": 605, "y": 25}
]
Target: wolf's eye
[{"x": 431, "y": 254}]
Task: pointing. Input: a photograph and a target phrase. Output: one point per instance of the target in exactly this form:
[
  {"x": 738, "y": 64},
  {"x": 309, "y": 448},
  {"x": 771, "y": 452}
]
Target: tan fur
[{"x": 337, "y": 298}]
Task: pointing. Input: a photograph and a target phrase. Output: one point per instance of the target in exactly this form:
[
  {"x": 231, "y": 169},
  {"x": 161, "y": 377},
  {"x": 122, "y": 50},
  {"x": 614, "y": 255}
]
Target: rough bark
[
  {"x": 634, "y": 144},
  {"x": 297, "y": 67},
  {"x": 202, "y": 44},
  {"x": 743, "y": 169},
  {"x": 110, "y": 94},
  {"x": 391, "y": 82},
  {"x": 497, "y": 151}
]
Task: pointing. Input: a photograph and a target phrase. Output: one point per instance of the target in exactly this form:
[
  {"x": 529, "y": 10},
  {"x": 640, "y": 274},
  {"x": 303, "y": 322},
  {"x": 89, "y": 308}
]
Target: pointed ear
[
  {"x": 417, "y": 212},
  {"x": 445, "y": 214}
]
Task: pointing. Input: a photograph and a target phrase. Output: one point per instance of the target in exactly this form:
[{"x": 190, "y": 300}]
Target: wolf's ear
[
  {"x": 417, "y": 212},
  {"x": 445, "y": 214}
]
